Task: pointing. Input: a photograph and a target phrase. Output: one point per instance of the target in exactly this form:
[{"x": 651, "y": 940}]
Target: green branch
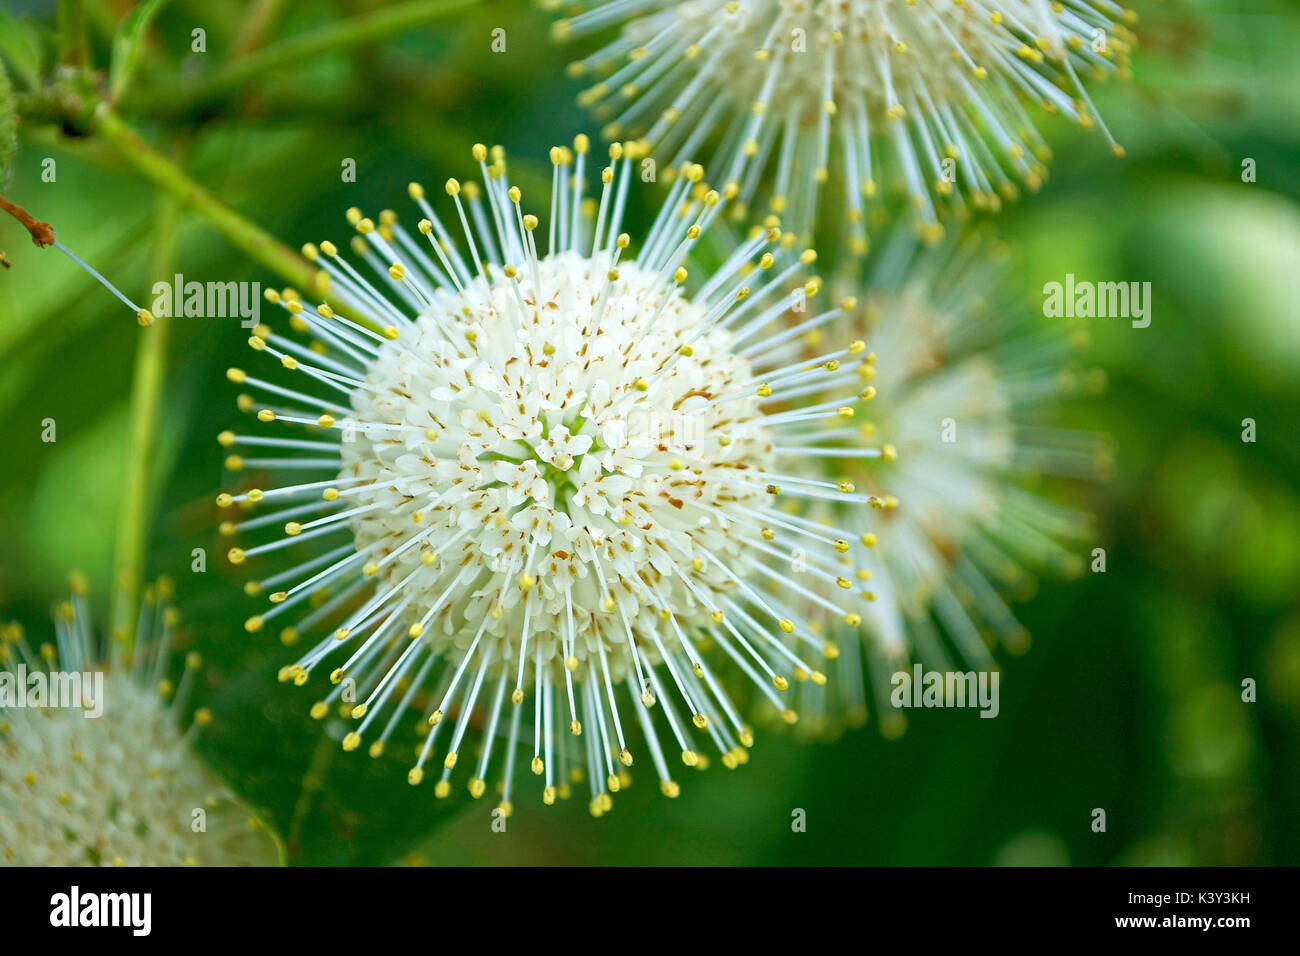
[
  {"x": 242, "y": 233},
  {"x": 376, "y": 25}
]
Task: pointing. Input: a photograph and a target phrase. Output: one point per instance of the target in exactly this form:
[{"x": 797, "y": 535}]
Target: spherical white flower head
[
  {"x": 556, "y": 475},
  {"x": 929, "y": 91},
  {"x": 545, "y": 433},
  {"x": 96, "y": 770},
  {"x": 964, "y": 420}
]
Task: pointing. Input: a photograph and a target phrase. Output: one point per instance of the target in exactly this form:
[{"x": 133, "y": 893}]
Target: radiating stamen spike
[
  {"x": 574, "y": 726},
  {"x": 652, "y": 740},
  {"x": 548, "y": 736},
  {"x": 386, "y": 624},
  {"x": 512, "y": 748},
  {"x": 777, "y": 647},
  {"x": 758, "y": 350},
  {"x": 143, "y": 316},
  {"x": 352, "y": 286},
  {"x": 479, "y": 214},
  {"x": 440, "y": 239},
  {"x": 580, "y": 147},
  {"x": 670, "y": 713},
  {"x": 326, "y": 610},
  {"x": 341, "y": 383},
  {"x": 620, "y": 201},
  {"x": 333, "y": 334},
  {"x": 284, "y": 345},
  {"x": 765, "y": 687},
  {"x": 605, "y": 750},
  {"x": 466, "y": 711},
  {"x": 274, "y": 518},
  {"x": 793, "y": 585},
  {"x": 453, "y": 190},
  {"x": 609, "y": 693},
  {"x": 239, "y": 378}
]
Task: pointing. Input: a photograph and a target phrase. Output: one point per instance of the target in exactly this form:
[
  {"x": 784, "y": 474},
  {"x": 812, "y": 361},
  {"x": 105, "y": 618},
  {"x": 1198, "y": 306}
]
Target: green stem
[
  {"x": 146, "y": 392},
  {"x": 73, "y": 45},
  {"x": 364, "y": 28},
  {"x": 242, "y": 233},
  {"x": 259, "y": 17}
]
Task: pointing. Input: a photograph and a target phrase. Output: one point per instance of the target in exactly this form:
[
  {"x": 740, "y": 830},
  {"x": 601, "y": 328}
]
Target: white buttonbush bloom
[
  {"x": 536, "y": 493},
  {"x": 963, "y": 418},
  {"x": 95, "y": 768},
  {"x": 926, "y": 95}
]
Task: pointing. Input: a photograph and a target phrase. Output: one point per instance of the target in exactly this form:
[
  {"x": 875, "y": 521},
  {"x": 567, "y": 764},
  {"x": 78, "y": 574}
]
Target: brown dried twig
[{"x": 42, "y": 233}]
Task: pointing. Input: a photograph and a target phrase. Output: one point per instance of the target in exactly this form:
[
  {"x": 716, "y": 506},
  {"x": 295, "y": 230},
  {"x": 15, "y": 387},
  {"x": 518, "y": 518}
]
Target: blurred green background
[{"x": 1130, "y": 699}]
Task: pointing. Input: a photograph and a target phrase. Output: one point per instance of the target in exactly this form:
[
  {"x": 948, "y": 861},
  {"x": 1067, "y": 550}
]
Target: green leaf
[
  {"x": 20, "y": 47},
  {"x": 126, "y": 46}
]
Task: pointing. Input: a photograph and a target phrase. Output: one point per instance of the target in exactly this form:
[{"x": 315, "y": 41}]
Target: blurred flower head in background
[
  {"x": 964, "y": 423},
  {"x": 97, "y": 770},
  {"x": 927, "y": 96}
]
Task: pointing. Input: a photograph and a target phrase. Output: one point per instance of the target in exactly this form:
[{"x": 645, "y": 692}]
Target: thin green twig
[{"x": 133, "y": 521}]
